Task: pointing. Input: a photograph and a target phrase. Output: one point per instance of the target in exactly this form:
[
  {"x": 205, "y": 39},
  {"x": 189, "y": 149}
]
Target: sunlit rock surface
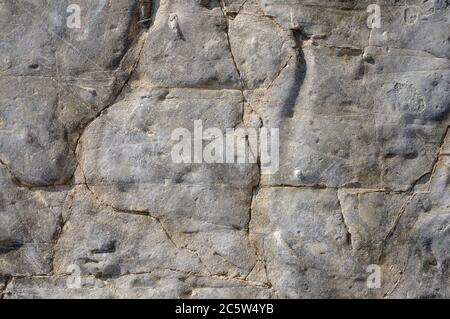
[{"x": 93, "y": 206}]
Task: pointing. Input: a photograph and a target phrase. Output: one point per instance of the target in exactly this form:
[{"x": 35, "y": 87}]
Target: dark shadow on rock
[
  {"x": 9, "y": 245},
  {"x": 290, "y": 101}
]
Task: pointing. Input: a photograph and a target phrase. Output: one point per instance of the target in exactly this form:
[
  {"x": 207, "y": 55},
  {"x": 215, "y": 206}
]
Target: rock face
[{"x": 92, "y": 204}]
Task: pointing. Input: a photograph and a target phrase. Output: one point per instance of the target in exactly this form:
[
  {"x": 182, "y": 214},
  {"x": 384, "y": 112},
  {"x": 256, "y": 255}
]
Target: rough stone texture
[{"x": 87, "y": 179}]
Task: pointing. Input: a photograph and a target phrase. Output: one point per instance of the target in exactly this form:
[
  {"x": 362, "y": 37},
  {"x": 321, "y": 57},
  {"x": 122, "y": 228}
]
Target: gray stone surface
[{"x": 90, "y": 194}]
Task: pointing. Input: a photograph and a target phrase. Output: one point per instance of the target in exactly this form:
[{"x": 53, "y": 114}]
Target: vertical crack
[
  {"x": 255, "y": 188},
  {"x": 57, "y": 236},
  {"x": 438, "y": 157},
  {"x": 227, "y": 24},
  {"x": 347, "y": 228}
]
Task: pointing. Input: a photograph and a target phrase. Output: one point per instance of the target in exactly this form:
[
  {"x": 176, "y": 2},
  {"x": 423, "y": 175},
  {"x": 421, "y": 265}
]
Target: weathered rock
[
  {"x": 92, "y": 204},
  {"x": 306, "y": 244},
  {"x": 342, "y": 75},
  {"x": 30, "y": 221},
  {"x": 188, "y": 48},
  {"x": 56, "y": 79},
  {"x": 160, "y": 284}
]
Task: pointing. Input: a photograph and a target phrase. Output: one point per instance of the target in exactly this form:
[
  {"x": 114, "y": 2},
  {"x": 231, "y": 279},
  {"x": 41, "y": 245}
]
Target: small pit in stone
[{"x": 34, "y": 66}]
